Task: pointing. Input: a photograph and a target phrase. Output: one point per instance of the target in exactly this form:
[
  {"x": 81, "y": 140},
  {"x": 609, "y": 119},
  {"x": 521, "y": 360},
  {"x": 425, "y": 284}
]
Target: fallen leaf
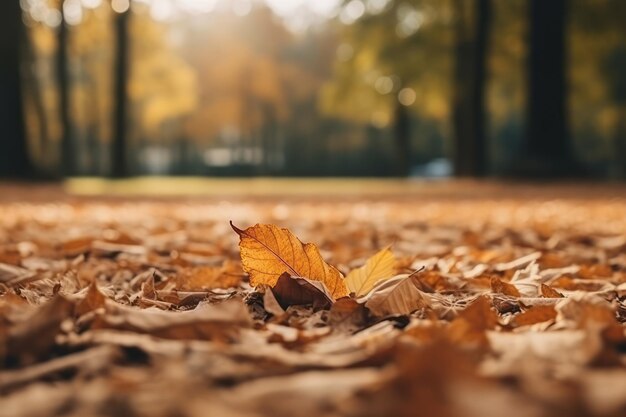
[
  {"x": 76, "y": 246},
  {"x": 35, "y": 335},
  {"x": 527, "y": 280},
  {"x": 268, "y": 251},
  {"x": 501, "y": 287},
  {"x": 348, "y": 315},
  {"x": 398, "y": 295},
  {"x": 206, "y": 322},
  {"x": 290, "y": 291},
  {"x": 535, "y": 314},
  {"x": 472, "y": 323},
  {"x": 96, "y": 359},
  {"x": 148, "y": 289},
  {"x": 380, "y": 266},
  {"x": 93, "y": 300},
  {"x": 227, "y": 275},
  {"x": 271, "y": 304},
  {"x": 549, "y": 292}
]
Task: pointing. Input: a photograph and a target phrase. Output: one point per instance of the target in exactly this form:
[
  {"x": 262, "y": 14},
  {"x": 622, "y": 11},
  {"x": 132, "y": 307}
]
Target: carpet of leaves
[{"x": 142, "y": 308}]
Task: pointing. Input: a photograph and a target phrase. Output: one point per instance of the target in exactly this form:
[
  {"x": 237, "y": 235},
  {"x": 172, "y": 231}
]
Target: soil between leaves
[{"x": 142, "y": 309}]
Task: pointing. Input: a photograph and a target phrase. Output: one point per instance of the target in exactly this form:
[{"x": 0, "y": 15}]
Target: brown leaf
[
  {"x": 35, "y": 335},
  {"x": 301, "y": 291},
  {"x": 398, "y": 295},
  {"x": 472, "y": 323},
  {"x": 148, "y": 290},
  {"x": 347, "y": 314},
  {"x": 535, "y": 314},
  {"x": 268, "y": 251},
  {"x": 76, "y": 246},
  {"x": 271, "y": 304},
  {"x": 227, "y": 275},
  {"x": 93, "y": 300},
  {"x": 501, "y": 287},
  {"x": 549, "y": 292},
  {"x": 206, "y": 322},
  {"x": 595, "y": 271}
]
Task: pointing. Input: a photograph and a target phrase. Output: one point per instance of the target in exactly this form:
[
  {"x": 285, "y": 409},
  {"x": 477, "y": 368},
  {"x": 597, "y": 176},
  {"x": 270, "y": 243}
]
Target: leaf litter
[{"x": 160, "y": 309}]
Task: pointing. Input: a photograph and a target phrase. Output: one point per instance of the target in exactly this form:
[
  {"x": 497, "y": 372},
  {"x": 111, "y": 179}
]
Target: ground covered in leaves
[{"x": 508, "y": 304}]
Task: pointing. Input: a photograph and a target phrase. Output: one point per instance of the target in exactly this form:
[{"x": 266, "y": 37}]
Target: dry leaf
[
  {"x": 228, "y": 275},
  {"x": 535, "y": 314},
  {"x": 501, "y": 287},
  {"x": 268, "y": 251},
  {"x": 347, "y": 314},
  {"x": 472, "y": 323},
  {"x": 290, "y": 291},
  {"x": 380, "y": 266},
  {"x": 271, "y": 304},
  {"x": 398, "y": 295},
  {"x": 549, "y": 292},
  {"x": 35, "y": 335},
  {"x": 206, "y": 322},
  {"x": 93, "y": 300}
]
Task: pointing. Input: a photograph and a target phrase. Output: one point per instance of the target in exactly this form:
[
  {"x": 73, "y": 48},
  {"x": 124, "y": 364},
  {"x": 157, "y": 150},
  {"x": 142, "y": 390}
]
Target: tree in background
[
  {"x": 597, "y": 84},
  {"x": 548, "y": 149},
  {"x": 119, "y": 146},
  {"x": 438, "y": 50},
  {"x": 14, "y": 157},
  {"x": 409, "y": 78},
  {"x": 472, "y": 26},
  {"x": 394, "y": 63},
  {"x": 68, "y": 146}
]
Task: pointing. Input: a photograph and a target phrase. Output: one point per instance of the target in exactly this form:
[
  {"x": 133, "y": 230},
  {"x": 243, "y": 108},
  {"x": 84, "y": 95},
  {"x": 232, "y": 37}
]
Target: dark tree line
[
  {"x": 547, "y": 148},
  {"x": 472, "y": 25},
  {"x": 119, "y": 160},
  {"x": 14, "y": 159}
]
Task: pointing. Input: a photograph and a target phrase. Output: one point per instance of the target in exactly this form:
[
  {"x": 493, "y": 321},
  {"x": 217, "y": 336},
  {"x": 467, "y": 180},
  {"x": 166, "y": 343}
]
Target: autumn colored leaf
[
  {"x": 380, "y": 266},
  {"x": 347, "y": 314},
  {"x": 227, "y": 275},
  {"x": 93, "y": 300},
  {"x": 502, "y": 287},
  {"x": 398, "y": 295},
  {"x": 472, "y": 323},
  {"x": 535, "y": 314},
  {"x": 268, "y": 251},
  {"x": 290, "y": 291},
  {"x": 549, "y": 292}
]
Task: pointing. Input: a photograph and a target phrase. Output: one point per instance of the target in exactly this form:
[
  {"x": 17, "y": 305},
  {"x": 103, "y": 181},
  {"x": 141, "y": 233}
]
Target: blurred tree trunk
[
  {"x": 548, "y": 149},
  {"x": 472, "y": 28},
  {"x": 34, "y": 89},
  {"x": 614, "y": 69},
  {"x": 402, "y": 137},
  {"x": 119, "y": 152},
  {"x": 68, "y": 151},
  {"x": 14, "y": 158}
]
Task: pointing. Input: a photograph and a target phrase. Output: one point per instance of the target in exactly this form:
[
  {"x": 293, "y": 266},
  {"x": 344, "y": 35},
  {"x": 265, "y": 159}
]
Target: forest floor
[{"x": 138, "y": 298}]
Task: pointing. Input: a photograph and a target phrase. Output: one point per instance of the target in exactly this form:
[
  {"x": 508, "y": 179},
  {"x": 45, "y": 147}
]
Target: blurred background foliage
[{"x": 319, "y": 87}]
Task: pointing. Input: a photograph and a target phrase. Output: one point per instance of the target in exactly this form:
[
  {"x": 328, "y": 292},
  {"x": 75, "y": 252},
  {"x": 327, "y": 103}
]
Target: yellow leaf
[
  {"x": 380, "y": 266},
  {"x": 268, "y": 251}
]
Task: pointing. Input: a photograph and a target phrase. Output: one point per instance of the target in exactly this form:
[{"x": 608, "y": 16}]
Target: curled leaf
[
  {"x": 398, "y": 295},
  {"x": 380, "y": 266},
  {"x": 290, "y": 291},
  {"x": 268, "y": 251}
]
